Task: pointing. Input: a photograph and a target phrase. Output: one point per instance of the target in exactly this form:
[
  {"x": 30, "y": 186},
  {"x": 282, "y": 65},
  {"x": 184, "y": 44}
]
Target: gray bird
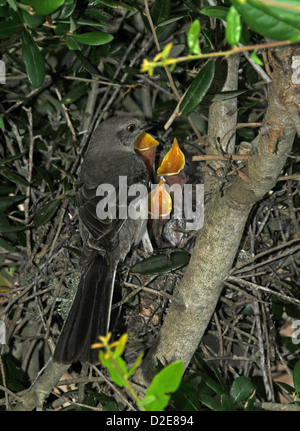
[{"x": 106, "y": 241}]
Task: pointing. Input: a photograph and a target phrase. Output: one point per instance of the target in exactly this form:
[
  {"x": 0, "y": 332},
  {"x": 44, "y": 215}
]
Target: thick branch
[{"x": 225, "y": 219}]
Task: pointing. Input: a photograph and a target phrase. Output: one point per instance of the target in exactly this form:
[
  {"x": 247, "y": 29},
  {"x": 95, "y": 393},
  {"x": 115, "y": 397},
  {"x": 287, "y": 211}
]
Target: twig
[
  {"x": 29, "y": 178},
  {"x": 69, "y": 122},
  {"x": 264, "y": 253},
  {"x": 265, "y": 289},
  {"x": 114, "y": 388},
  {"x": 32, "y": 93},
  {"x": 220, "y": 157}
]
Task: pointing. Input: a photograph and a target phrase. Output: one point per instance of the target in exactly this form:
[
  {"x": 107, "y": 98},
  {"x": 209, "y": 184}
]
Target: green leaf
[
  {"x": 62, "y": 30},
  {"x": 288, "y": 388},
  {"x": 12, "y": 176},
  {"x": 9, "y": 229},
  {"x": 198, "y": 88},
  {"x": 33, "y": 59},
  {"x": 110, "y": 407},
  {"x": 233, "y": 27},
  {"x": 161, "y": 263},
  {"x": 193, "y": 37},
  {"x": 135, "y": 365},
  {"x": 249, "y": 404},
  {"x": 67, "y": 10},
  {"x": 11, "y": 158},
  {"x": 93, "y": 38},
  {"x": 46, "y": 176},
  {"x": 113, "y": 371},
  {"x": 75, "y": 93},
  {"x": 33, "y": 21},
  {"x": 45, "y": 213},
  {"x": 270, "y": 21},
  {"x": 71, "y": 43},
  {"x": 117, "y": 4},
  {"x": 7, "y": 201},
  {"x": 241, "y": 389},
  {"x": 227, "y": 404},
  {"x": 164, "y": 383},
  {"x": 86, "y": 63},
  {"x": 1, "y": 122},
  {"x": 43, "y": 7},
  {"x": 160, "y": 11},
  {"x": 210, "y": 402},
  {"x": 10, "y": 27},
  {"x": 215, "y": 12},
  {"x": 224, "y": 95},
  {"x": 296, "y": 377},
  {"x": 170, "y": 20},
  {"x": 7, "y": 246},
  {"x": 211, "y": 383},
  {"x": 15, "y": 377},
  {"x": 256, "y": 58}
]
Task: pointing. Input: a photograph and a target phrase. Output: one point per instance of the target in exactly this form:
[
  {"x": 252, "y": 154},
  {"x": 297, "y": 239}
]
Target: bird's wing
[{"x": 104, "y": 230}]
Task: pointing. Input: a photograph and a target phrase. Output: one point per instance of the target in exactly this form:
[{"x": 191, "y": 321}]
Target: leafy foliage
[{"x": 69, "y": 62}]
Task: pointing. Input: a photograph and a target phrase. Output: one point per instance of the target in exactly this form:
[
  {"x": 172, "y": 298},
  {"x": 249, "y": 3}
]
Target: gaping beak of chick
[{"x": 171, "y": 167}]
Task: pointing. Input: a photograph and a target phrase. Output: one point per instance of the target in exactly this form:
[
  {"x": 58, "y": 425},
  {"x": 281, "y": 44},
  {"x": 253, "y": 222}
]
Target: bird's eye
[{"x": 131, "y": 128}]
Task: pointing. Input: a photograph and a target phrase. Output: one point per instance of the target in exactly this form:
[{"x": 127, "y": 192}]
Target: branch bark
[{"x": 225, "y": 218}]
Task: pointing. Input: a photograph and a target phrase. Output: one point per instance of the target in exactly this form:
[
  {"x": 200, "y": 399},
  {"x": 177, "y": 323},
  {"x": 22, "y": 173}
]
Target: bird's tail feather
[{"x": 89, "y": 315}]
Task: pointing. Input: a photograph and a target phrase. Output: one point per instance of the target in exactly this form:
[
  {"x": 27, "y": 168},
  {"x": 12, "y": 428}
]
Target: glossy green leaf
[
  {"x": 296, "y": 377},
  {"x": 215, "y": 12},
  {"x": 1, "y": 122},
  {"x": 269, "y": 20},
  {"x": 241, "y": 389},
  {"x": 43, "y": 7},
  {"x": 7, "y": 246},
  {"x": 67, "y": 9},
  {"x": 161, "y": 263},
  {"x": 233, "y": 27},
  {"x": 193, "y": 37},
  {"x": 45, "y": 214},
  {"x": 93, "y": 38},
  {"x": 34, "y": 60},
  {"x": 33, "y": 21},
  {"x": 14, "y": 177},
  {"x": 163, "y": 384},
  {"x": 198, "y": 88}
]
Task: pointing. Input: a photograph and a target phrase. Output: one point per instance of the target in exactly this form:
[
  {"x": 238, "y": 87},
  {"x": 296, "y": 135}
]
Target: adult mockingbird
[{"x": 106, "y": 241}]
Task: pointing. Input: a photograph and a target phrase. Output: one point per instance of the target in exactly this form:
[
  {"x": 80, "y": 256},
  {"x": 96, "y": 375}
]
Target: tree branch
[{"x": 225, "y": 219}]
